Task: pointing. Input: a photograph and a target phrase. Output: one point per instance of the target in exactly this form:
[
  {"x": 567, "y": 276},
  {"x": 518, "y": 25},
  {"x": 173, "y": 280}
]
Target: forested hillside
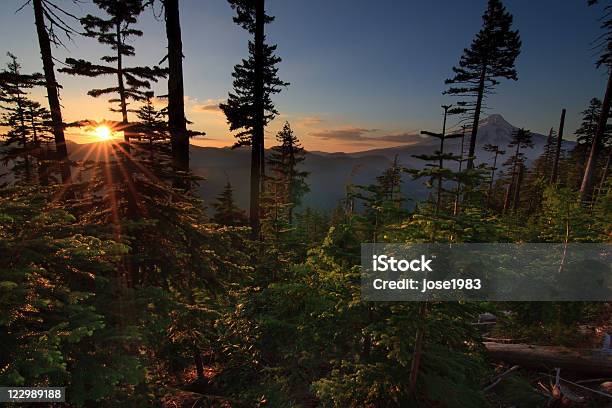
[{"x": 142, "y": 270}]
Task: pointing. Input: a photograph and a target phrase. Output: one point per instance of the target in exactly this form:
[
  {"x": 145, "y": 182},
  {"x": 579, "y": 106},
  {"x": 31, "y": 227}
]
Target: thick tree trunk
[
  {"x": 475, "y": 123},
  {"x": 584, "y": 361},
  {"x": 176, "y": 101},
  {"x": 555, "y": 171},
  {"x": 586, "y": 189},
  {"x": 52, "y": 91},
  {"x": 257, "y": 145},
  {"x": 122, "y": 98}
]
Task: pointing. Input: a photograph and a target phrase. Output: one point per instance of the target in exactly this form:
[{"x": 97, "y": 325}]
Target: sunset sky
[{"x": 362, "y": 73}]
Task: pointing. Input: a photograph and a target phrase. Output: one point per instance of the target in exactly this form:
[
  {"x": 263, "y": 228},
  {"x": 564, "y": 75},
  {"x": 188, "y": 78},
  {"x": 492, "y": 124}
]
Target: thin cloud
[
  {"x": 352, "y": 134},
  {"x": 363, "y": 135},
  {"x": 400, "y": 137},
  {"x": 307, "y": 121},
  {"x": 208, "y": 106}
]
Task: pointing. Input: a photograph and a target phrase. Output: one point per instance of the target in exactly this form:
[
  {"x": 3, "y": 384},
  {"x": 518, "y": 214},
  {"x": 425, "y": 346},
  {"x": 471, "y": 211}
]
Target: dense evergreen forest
[{"x": 120, "y": 283}]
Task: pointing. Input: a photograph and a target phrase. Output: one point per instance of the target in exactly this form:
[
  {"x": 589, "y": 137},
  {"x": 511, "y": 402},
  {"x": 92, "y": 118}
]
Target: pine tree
[
  {"x": 586, "y": 132},
  {"x": 521, "y": 139},
  {"x": 460, "y": 160},
  {"x": 537, "y": 178},
  {"x": 46, "y": 9},
  {"x": 543, "y": 165},
  {"x": 177, "y": 122},
  {"x": 382, "y": 202},
  {"x": 226, "y": 210},
  {"x": 436, "y": 170},
  {"x": 605, "y": 59},
  {"x": 310, "y": 228},
  {"x": 496, "y": 153},
  {"x": 77, "y": 317},
  {"x": 585, "y": 135},
  {"x": 249, "y": 108},
  {"x": 114, "y": 31},
  {"x": 555, "y": 169},
  {"x": 285, "y": 175},
  {"x": 26, "y": 122},
  {"x": 491, "y": 56},
  {"x": 152, "y": 124}
]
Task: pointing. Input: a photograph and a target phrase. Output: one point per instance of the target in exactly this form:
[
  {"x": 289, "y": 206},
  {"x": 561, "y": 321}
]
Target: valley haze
[{"x": 330, "y": 173}]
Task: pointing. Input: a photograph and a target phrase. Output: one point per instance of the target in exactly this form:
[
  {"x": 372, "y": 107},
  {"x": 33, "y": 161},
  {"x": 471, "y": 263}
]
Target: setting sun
[{"x": 103, "y": 132}]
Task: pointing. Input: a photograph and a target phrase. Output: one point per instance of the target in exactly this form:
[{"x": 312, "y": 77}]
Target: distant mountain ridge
[{"x": 330, "y": 173}]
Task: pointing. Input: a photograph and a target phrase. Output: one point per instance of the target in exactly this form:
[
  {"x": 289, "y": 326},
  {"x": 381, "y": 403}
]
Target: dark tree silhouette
[
  {"x": 586, "y": 132},
  {"x": 177, "y": 122},
  {"x": 555, "y": 169},
  {"x": 47, "y": 35},
  {"x": 542, "y": 167},
  {"x": 132, "y": 82},
  {"x": 152, "y": 124},
  {"x": 226, "y": 210},
  {"x": 25, "y": 121},
  {"x": 284, "y": 161},
  {"x": 460, "y": 159},
  {"x": 438, "y": 172},
  {"x": 382, "y": 201},
  {"x": 605, "y": 59},
  {"x": 249, "y": 107},
  {"x": 585, "y": 135},
  {"x": 497, "y": 152},
  {"x": 521, "y": 139},
  {"x": 491, "y": 56}
]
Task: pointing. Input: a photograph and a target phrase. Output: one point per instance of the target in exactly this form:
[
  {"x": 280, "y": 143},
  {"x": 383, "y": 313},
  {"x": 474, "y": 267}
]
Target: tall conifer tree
[
  {"x": 48, "y": 19},
  {"x": 605, "y": 59},
  {"x": 491, "y": 56},
  {"x": 585, "y": 135},
  {"x": 521, "y": 139},
  {"x": 555, "y": 166},
  {"x": 496, "y": 153},
  {"x": 177, "y": 121},
  {"x": 24, "y": 120},
  {"x": 284, "y": 172},
  {"x": 114, "y": 31},
  {"x": 249, "y": 107}
]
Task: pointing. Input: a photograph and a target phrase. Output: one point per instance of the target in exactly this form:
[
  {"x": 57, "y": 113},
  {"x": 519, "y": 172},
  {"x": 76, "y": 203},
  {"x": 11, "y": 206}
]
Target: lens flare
[{"x": 103, "y": 132}]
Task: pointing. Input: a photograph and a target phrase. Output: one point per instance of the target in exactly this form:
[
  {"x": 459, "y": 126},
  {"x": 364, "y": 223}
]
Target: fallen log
[{"x": 585, "y": 361}]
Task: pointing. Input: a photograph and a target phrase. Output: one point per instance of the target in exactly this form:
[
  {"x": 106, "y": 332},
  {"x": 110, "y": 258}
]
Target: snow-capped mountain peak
[
  {"x": 496, "y": 120},
  {"x": 495, "y": 129}
]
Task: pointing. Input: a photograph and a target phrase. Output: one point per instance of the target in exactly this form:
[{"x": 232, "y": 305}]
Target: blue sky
[{"x": 358, "y": 69}]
